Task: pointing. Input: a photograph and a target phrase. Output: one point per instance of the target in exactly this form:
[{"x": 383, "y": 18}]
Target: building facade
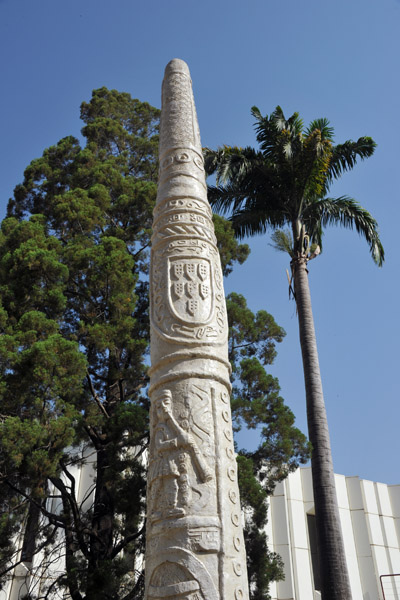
[{"x": 370, "y": 520}]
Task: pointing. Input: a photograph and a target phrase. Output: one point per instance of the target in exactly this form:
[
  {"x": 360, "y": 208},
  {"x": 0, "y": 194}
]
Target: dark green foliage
[
  {"x": 230, "y": 251},
  {"x": 74, "y": 353},
  {"x": 73, "y": 266}
]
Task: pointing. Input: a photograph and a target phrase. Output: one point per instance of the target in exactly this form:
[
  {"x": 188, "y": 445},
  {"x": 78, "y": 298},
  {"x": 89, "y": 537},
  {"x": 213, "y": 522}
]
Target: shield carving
[
  {"x": 190, "y": 289},
  {"x": 178, "y": 270},
  {"x": 192, "y": 307},
  {"x": 190, "y": 269},
  {"x": 179, "y": 289},
  {"x": 204, "y": 290},
  {"x": 202, "y": 270}
]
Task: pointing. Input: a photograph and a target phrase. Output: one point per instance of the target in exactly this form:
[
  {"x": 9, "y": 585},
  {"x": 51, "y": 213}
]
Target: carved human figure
[
  {"x": 168, "y": 471},
  {"x": 185, "y": 489},
  {"x": 163, "y": 470}
]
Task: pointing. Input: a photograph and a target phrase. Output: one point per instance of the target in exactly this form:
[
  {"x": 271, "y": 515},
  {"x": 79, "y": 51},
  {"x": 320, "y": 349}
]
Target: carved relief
[
  {"x": 193, "y": 230},
  {"x": 173, "y": 581},
  {"x": 231, "y": 473},
  {"x": 228, "y": 434},
  {"x": 163, "y": 474},
  {"x": 179, "y": 112},
  {"x": 224, "y": 397},
  {"x": 191, "y": 247},
  {"x": 205, "y": 540},
  {"x": 230, "y": 453},
  {"x": 183, "y": 218},
  {"x": 233, "y": 496},
  {"x": 235, "y": 519},
  {"x": 186, "y": 304},
  {"x": 182, "y": 205},
  {"x": 239, "y": 595},
  {"x": 225, "y": 416},
  {"x": 180, "y": 157},
  {"x": 178, "y": 466},
  {"x": 190, "y": 290}
]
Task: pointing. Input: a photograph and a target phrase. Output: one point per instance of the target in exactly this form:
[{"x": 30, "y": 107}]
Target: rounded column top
[{"x": 177, "y": 64}]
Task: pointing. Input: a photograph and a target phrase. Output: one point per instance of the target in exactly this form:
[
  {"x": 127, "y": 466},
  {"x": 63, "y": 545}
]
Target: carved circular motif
[
  {"x": 167, "y": 161},
  {"x": 233, "y": 496},
  {"x": 198, "y": 162},
  {"x": 228, "y": 434},
  {"x": 183, "y": 157},
  {"x": 225, "y": 416},
  {"x": 236, "y": 542},
  {"x": 231, "y": 473},
  {"x": 225, "y": 397},
  {"x": 239, "y": 593},
  {"x": 237, "y": 567},
  {"x": 235, "y": 519},
  {"x": 230, "y": 453}
]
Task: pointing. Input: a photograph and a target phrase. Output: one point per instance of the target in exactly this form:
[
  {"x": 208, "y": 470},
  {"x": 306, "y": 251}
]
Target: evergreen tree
[{"x": 74, "y": 257}]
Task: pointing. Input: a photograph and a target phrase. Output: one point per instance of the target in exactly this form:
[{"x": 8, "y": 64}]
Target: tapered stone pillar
[{"x": 195, "y": 544}]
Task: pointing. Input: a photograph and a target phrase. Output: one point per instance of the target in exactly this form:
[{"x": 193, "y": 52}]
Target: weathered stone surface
[{"x": 195, "y": 544}]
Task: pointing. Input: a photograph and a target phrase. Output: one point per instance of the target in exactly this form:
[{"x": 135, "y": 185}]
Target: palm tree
[{"x": 285, "y": 183}]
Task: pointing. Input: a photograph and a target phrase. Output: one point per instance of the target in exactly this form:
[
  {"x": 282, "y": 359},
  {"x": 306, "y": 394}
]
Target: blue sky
[{"x": 321, "y": 58}]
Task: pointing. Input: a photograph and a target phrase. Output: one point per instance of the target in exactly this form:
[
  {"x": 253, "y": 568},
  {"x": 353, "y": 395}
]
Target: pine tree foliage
[{"x": 74, "y": 259}]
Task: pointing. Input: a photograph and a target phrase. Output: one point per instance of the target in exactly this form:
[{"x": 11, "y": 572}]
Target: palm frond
[
  {"x": 344, "y": 156},
  {"x": 275, "y": 131},
  {"x": 282, "y": 240},
  {"x": 256, "y": 113},
  {"x": 230, "y": 162},
  {"x": 348, "y": 213},
  {"x": 226, "y": 199},
  {"x": 210, "y": 160},
  {"x": 323, "y": 126},
  {"x": 251, "y": 221},
  {"x": 295, "y": 124},
  {"x": 278, "y": 118}
]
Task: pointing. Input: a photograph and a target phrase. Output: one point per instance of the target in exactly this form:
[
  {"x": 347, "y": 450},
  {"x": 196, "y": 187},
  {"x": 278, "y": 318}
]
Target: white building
[{"x": 370, "y": 518}]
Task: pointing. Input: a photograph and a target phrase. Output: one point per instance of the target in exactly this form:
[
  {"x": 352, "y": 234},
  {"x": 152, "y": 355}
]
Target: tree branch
[{"x": 95, "y": 396}]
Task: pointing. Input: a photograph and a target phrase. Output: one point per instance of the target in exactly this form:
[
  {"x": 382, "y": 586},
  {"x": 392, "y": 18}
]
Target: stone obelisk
[{"x": 195, "y": 547}]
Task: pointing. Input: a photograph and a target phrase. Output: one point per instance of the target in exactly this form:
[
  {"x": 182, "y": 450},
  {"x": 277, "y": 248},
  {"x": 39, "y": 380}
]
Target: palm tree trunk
[{"x": 335, "y": 584}]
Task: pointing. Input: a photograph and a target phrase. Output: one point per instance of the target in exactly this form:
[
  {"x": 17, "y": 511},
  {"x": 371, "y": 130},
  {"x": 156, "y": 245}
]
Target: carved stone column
[{"x": 195, "y": 547}]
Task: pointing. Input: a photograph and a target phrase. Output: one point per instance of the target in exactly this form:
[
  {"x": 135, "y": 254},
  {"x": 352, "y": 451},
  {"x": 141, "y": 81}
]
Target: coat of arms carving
[{"x": 190, "y": 287}]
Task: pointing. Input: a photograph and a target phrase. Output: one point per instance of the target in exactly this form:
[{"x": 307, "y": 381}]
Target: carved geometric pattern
[
  {"x": 237, "y": 543},
  {"x": 233, "y": 496},
  {"x": 239, "y": 593},
  {"x": 235, "y": 519}
]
